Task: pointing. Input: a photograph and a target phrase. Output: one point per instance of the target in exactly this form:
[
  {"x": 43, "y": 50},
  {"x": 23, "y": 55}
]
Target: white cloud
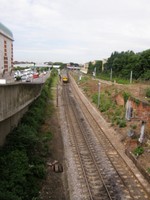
[{"x": 78, "y": 30}]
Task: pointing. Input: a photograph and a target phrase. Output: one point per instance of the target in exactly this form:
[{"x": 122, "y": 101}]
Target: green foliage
[
  {"x": 105, "y": 102},
  {"x": 148, "y": 92},
  {"x": 97, "y": 66},
  {"x": 114, "y": 113},
  {"x": 47, "y": 136},
  {"x": 148, "y": 170},
  {"x": 14, "y": 167},
  {"x": 54, "y": 72},
  {"x": 138, "y": 151},
  {"x": 84, "y": 79},
  {"x": 95, "y": 98},
  {"x": 126, "y": 96},
  {"x": 121, "y": 123},
  {"x": 124, "y": 62},
  {"x": 137, "y": 101},
  {"x": 18, "y": 78},
  {"x": 133, "y": 126},
  {"x": 22, "y": 165},
  {"x": 23, "y": 137}
]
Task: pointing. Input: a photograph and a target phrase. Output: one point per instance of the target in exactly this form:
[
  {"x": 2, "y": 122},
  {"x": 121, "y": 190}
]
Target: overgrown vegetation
[
  {"x": 148, "y": 170},
  {"x": 22, "y": 158},
  {"x": 120, "y": 64},
  {"x": 114, "y": 112},
  {"x": 126, "y": 96},
  {"x": 138, "y": 151},
  {"x": 148, "y": 92}
]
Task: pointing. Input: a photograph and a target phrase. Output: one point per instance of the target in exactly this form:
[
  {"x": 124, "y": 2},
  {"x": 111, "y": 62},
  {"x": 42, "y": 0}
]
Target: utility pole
[
  {"x": 99, "y": 93},
  {"x": 57, "y": 95},
  {"x": 131, "y": 77},
  {"x": 111, "y": 74}
]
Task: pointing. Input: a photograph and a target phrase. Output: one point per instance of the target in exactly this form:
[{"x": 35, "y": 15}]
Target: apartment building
[{"x": 6, "y": 49}]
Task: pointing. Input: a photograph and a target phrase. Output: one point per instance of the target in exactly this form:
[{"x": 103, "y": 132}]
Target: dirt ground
[{"x": 53, "y": 187}]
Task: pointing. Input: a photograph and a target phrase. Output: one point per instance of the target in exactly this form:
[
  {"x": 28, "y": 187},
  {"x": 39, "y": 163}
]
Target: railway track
[
  {"x": 98, "y": 178},
  {"x": 123, "y": 175}
]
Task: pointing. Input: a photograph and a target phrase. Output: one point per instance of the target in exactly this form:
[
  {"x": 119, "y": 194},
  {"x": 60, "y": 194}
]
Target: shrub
[
  {"x": 133, "y": 126},
  {"x": 105, "y": 102},
  {"x": 138, "y": 151},
  {"x": 148, "y": 170},
  {"x": 21, "y": 163},
  {"x": 126, "y": 96},
  {"x": 122, "y": 123},
  {"x": 95, "y": 98},
  {"x": 148, "y": 92},
  {"x": 18, "y": 78}
]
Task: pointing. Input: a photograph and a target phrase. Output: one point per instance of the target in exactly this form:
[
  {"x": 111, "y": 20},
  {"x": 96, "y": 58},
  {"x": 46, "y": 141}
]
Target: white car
[
  {"x": 26, "y": 78},
  {"x": 17, "y": 74}
]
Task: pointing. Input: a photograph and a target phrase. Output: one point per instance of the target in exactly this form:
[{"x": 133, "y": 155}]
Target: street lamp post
[
  {"x": 131, "y": 77},
  {"x": 99, "y": 93},
  {"x": 111, "y": 74}
]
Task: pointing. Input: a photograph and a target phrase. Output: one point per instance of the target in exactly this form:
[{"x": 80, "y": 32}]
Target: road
[{"x": 10, "y": 79}]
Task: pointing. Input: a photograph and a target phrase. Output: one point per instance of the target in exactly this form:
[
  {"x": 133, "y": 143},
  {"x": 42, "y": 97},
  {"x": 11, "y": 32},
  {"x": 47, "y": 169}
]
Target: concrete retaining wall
[{"x": 14, "y": 102}]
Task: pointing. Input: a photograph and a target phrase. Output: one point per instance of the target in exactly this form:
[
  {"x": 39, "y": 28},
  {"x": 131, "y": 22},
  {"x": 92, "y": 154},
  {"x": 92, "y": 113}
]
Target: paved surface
[{"x": 10, "y": 78}]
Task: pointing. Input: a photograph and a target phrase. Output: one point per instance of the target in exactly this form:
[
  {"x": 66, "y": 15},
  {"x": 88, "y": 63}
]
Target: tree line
[{"x": 122, "y": 63}]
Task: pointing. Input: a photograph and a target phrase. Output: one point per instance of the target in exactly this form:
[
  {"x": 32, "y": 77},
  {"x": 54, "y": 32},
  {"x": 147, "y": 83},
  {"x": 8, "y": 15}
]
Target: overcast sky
[{"x": 76, "y": 30}]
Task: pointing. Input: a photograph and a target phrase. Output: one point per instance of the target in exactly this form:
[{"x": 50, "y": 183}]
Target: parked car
[
  {"x": 17, "y": 74},
  {"x": 26, "y": 78},
  {"x": 36, "y": 75}
]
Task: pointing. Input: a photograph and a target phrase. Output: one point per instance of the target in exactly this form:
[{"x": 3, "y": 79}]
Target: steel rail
[
  {"x": 91, "y": 154},
  {"x": 68, "y": 118}
]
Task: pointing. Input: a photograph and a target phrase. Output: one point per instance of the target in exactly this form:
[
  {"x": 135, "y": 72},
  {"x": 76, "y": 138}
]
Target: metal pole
[
  {"x": 99, "y": 93},
  {"x": 57, "y": 96},
  {"x": 111, "y": 74},
  {"x": 131, "y": 77}
]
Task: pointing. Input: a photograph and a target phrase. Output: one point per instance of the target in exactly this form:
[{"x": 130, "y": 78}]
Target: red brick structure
[{"x": 141, "y": 110}]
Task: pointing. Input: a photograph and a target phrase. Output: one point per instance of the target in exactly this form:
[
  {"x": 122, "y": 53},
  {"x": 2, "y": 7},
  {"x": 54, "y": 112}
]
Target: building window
[{"x": 5, "y": 56}]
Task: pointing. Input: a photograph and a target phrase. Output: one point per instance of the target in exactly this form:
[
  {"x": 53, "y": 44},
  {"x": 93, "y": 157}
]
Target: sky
[{"x": 76, "y": 31}]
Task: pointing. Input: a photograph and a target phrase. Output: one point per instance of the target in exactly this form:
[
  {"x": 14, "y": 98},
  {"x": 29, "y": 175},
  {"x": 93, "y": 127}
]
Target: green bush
[
  {"x": 148, "y": 92},
  {"x": 122, "y": 123},
  {"x": 105, "y": 102},
  {"x": 95, "y": 98},
  {"x": 138, "y": 151},
  {"x": 133, "y": 126},
  {"x": 148, "y": 170},
  {"x": 18, "y": 78},
  {"x": 126, "y": 96},
  {"x": 22, "y": 165}
]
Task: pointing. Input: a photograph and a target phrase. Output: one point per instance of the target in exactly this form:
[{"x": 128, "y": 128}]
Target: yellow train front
[{"x": 65, "y": 78}]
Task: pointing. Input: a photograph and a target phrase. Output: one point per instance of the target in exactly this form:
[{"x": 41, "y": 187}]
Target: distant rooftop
[{"x": 5, "y": 31}]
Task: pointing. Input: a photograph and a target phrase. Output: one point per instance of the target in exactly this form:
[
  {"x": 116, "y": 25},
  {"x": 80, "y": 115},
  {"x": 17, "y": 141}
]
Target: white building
[
  {"x": 84, "y": 68},
  {"x": 6, "y": 49}
]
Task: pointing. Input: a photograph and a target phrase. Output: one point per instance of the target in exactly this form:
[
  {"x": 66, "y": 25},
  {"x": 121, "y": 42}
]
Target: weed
[
  {"x": 133, "y": 126},
  {"x": 138, "y": 151},
  {"x": 126, "y": 96},
  {"x": 148, "y": 170},
  {"x": 148, "y": 92}
]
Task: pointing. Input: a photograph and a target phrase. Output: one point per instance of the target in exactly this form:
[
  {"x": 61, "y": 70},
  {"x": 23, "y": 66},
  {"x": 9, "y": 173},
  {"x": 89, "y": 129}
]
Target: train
[{"x": 65, "y": 76}]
